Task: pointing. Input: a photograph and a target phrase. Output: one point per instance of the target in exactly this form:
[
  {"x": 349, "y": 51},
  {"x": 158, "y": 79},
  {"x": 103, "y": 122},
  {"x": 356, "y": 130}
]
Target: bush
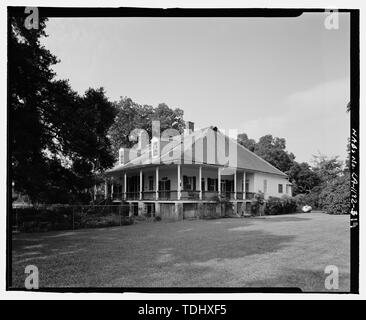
[
  {"x": 273, "y": 206},
  {"x": 300, "y": 201},
  {"x": 310, "y": 199},
  {"x": 59, "y": 217},
  {"x": 257, "y": 203},
  {"x": 284, "y": 205},
  {"x": 289, "y": 204},
  {"x": 335, "y": 197}
]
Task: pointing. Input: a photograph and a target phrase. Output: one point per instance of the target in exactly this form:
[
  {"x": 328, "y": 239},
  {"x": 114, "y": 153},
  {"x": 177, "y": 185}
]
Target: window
[
  {"x": 280, "y": 188},
  {"x": 203, "y": 184},
  {"x": 212, "y": 184},
  {"x": 189, "y": 183},
  {"x": 151, "y": 183},
  {"x": 265, "y": 185}
]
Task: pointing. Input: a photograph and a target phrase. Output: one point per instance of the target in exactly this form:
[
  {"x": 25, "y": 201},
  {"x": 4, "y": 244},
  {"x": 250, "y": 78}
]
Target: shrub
[
  {"x": 335, "y": 197},
  {"x": 310, "y": 199},
  {"x": 273, "y": 206},
  {"x": 299, "y": 198},
  {"x": 56, "y": 217},
  {"x": 284, "y": 205},
  {"x": 289, "y": 204},
  {"x": 257, "y": 202}
]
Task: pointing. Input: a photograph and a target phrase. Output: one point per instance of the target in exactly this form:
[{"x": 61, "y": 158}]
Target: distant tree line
[{"x": 323, "y": 185}]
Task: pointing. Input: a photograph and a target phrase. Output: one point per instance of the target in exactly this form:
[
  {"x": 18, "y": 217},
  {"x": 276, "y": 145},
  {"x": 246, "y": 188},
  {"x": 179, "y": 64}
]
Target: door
[{"x": 164, "y": 187}]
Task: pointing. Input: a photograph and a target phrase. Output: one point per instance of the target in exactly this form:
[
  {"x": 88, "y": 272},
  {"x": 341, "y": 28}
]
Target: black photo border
[{"x": 69, "y": 12}]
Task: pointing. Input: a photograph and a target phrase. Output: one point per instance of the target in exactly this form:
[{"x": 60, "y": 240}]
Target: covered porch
[{"x": 179, "y": 182}]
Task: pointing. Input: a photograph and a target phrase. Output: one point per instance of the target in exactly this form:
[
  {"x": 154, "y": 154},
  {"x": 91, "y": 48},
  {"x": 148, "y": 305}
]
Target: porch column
[
  {"x": 112, "y": 188},
  {"x": 235, "y": 185},
  {"x": 105, "y": 189},
  {"x": 244, "y": 190},
  {"x": 140, "y": 184},
  {"x": 125, "y": 186},
  {"x": 219, "y": 181},
  {"x": 200, "y": 181},
  {"x": 178, "y": 182},
  {"x": 157, "y": 183},
  {"x": 95, "y": 192}
]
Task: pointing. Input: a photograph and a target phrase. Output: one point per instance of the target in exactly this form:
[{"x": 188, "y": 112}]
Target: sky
[{"x": 289, "y": 77}]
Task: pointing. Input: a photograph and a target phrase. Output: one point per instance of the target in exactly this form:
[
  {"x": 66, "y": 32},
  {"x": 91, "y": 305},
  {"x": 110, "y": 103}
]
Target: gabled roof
[{"x": 204, "y": 146}]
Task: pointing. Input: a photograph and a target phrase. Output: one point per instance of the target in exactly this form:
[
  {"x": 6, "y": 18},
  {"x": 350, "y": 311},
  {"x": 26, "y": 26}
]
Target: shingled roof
[{"x": 193, "y": 147}]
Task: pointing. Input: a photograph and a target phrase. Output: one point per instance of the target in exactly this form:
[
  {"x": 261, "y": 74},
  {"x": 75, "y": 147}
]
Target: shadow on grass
[
  {"x": 231, "y": 245},
  {"x": 161, "y": 255}
]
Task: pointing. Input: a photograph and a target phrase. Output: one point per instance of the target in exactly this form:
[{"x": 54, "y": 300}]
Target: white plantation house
[{"x": 183, "y": 176}]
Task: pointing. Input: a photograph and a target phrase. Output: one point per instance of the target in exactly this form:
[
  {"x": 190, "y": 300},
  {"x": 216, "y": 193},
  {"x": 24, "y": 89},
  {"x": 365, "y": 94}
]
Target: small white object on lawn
[{"x": 306, "y": 208}]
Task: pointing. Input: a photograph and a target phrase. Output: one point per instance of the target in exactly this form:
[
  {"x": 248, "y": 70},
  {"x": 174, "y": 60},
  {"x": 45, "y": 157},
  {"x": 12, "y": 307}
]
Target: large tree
[
  {"x": 327, "y": 168},
  {"x": 271, "y": 149},
  {"x": 58, "y": 139},
  {"x": 133, "y": 116},
  {"x": 246, "y": 142},
  {"x": 303, "y": 177}
]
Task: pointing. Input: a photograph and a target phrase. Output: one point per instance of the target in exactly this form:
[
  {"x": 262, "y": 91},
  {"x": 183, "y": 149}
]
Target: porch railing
[
  {"x": 149, "y": 195},
  {"x": 190, "y": 195},
  {"x": 209, "y": 195},
  {"x": 168, "y": 195},
  {"x": 249, "y": 195},
  {"x": 133, "y": 195},
  {"x": 185, "y": 195}
]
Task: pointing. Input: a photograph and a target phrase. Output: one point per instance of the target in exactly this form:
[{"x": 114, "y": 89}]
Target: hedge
[
  {"x": 66, "y": 217},
  {"x": 283, "y": 205},
  {"x": 335, "y": 197}
]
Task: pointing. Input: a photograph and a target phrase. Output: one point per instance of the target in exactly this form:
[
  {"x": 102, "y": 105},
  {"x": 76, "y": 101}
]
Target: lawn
[{"x": 276, "y": 251}]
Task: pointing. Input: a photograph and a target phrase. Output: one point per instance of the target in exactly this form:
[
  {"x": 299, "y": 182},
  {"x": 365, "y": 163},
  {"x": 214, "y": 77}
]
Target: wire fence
[{"x": 63, "y": 217}]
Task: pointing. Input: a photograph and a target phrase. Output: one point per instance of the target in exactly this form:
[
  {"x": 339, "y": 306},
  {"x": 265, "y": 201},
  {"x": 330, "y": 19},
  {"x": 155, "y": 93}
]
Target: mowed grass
[{"x": 276, "y": 251}]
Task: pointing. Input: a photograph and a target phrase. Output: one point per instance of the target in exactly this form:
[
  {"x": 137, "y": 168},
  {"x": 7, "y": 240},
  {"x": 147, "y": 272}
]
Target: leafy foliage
[
  {"x": 274, "y": 151},
  {"x": 283, "y": 205},
  {"x": 335, "y": 197},
  {"x": 246, "y": 142},
  {"x": 303, "y": 177},
  {"x": 327, "y": 168},
  {"x": 133, "y": 116},
  {"x": 271, "y": 149},
  {"x": 58, "y": 138},
  {"x": 256, "y": 204}
]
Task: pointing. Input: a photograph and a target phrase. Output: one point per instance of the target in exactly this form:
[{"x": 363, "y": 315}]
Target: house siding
[{"x": 272, "y": 185}]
